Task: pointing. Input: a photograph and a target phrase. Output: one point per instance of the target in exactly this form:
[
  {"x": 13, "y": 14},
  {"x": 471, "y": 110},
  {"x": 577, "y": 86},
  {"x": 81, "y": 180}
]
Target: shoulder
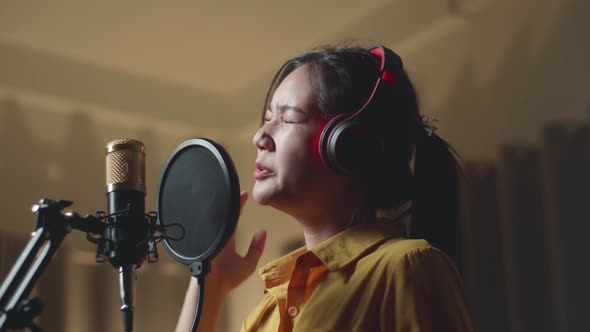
[
  {"x": 422, "y": 288},
  {"x": 413, "y": 256}
]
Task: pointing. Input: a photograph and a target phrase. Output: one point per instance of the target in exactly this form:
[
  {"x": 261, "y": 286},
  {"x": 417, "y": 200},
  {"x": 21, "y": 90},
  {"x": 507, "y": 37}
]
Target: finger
[{"x": 256, "y": 248}]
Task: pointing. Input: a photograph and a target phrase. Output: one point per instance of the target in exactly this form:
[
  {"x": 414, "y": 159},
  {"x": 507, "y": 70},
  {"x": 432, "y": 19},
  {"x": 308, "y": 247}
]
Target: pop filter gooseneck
[{"x": 198, "y": 204}]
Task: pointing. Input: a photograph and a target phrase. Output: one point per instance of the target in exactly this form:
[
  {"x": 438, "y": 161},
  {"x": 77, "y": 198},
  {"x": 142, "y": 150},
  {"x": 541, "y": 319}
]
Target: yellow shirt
[{"x": 365, "y": 278}]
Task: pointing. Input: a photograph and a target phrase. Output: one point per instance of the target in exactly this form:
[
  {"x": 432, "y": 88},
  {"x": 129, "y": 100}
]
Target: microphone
[{"x": 127, "y": 228}]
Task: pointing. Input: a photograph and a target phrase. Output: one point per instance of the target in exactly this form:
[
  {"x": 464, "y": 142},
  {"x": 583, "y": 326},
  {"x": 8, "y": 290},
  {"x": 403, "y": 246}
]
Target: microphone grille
[{"x": 125, "y": 165}]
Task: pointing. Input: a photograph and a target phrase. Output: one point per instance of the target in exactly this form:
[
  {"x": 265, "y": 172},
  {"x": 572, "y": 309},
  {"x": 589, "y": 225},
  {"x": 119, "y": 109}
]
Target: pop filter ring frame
[{"x": 230, "y": 177}]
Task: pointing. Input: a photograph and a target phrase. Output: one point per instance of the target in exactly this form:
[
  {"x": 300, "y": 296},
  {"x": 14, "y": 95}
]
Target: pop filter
[{"x": 198, "y": 201}]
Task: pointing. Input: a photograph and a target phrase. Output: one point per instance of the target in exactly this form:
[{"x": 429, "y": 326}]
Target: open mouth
[{"x": 261, "y": 171}]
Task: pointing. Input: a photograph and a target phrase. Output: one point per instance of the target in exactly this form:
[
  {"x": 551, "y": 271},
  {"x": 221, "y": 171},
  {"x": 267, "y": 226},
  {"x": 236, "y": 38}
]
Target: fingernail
[{"x": 259, "y": 235}]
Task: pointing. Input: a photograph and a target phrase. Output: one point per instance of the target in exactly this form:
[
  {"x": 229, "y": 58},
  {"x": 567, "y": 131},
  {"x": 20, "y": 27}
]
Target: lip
[{"x": 261, "y": 171}]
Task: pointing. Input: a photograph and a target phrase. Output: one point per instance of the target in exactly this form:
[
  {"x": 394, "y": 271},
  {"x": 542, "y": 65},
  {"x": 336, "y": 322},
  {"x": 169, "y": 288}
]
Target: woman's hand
[{"x": 231, "y": 269}]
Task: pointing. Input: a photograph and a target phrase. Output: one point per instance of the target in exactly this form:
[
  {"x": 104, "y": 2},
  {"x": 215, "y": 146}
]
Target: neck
[
  {"x": 327, "y": 213},
  {"x": 315, "y": 235},
  {"x": 320, "y": 227}
]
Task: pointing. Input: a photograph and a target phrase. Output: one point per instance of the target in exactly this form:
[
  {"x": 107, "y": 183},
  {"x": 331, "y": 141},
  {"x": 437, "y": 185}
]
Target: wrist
[
  {"x": 219, "y": 281},
  {"x": 214, "y": 286}
]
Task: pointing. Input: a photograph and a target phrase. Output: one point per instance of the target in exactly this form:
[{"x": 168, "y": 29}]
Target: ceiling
[
  {"x": 196, "y": 44},
  {"x": 182, "y": 64}
]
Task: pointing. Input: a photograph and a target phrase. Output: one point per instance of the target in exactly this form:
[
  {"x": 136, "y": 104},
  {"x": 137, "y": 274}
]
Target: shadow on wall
[
  {"x": 525, "y": 232},
  {"x": 22, "y": 168},
  {"x": 33, "y": 169},
  {"x": 82, "y": 164},
  {"x": 530, "y": 88},
  {"x": 526, "y": 213}
]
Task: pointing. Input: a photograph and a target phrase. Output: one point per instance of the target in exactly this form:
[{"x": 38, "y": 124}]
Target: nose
[{"x": 263, "y": 139}]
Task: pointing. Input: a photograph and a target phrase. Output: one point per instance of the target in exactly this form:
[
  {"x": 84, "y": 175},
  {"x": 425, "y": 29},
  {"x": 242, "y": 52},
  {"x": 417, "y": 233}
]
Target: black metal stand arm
[{"x": 17, "y": 311}]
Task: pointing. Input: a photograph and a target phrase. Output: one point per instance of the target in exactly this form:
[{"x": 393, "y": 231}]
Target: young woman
[{"x": 344, "y": 150}]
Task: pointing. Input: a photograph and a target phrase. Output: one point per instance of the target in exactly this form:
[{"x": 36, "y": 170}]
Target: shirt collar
[
  {"x": 337, "y": 251},
  {"x": 279, "y": 270},
  {"x": 352, "y": 243}
]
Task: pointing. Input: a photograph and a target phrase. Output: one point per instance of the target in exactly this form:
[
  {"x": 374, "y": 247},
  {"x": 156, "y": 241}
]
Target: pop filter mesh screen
[{"x": 196, "y": 194}]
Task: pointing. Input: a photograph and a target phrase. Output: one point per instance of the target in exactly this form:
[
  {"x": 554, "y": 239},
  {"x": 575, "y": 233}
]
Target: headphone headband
[
  {"x": 390, "y": 63},
  {"x": 349, "y": 144}
]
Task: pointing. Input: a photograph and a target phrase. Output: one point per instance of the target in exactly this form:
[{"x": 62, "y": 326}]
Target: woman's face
[{"x": 288, "y": 173}]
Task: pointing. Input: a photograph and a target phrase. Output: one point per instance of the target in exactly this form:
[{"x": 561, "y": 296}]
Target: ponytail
[{"x": 436, "y": 209}]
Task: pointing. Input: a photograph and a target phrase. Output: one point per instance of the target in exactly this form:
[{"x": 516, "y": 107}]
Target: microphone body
[{"x": 127, "y": 228}]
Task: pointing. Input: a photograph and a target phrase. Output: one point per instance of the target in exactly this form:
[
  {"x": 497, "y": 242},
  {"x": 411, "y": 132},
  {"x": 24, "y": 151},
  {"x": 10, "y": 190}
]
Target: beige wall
[{"x": 490, "y": 71}]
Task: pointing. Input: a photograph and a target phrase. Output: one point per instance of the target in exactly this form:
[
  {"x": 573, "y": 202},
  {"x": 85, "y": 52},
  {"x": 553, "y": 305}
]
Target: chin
[
  {"x": 271, "y": 194},
  {"x": 261, "y": 195}
]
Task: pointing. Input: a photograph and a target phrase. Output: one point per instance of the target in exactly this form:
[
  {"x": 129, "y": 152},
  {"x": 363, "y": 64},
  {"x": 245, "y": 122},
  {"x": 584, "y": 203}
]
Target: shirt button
[{"x": 293, "y": 311}]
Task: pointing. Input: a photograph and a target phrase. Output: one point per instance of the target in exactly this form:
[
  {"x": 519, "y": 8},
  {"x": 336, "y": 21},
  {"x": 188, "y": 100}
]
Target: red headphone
[{"x": 349, "y": 143}]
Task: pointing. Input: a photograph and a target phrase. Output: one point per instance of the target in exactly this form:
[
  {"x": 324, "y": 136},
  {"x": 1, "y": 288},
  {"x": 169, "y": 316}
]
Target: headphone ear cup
[
  {"x": 353, "y": 148},
  {"x": 324, "y": 144}
]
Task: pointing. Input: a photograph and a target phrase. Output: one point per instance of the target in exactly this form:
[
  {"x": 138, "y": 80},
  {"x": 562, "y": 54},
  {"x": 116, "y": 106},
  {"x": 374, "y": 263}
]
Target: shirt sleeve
[{"x": 427, "y": 294}]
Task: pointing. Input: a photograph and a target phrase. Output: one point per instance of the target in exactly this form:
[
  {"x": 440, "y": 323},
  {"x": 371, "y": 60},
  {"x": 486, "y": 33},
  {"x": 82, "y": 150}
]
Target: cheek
[
  {"x": 297, "y": 159},
  {"x": 313, "y": 146}
]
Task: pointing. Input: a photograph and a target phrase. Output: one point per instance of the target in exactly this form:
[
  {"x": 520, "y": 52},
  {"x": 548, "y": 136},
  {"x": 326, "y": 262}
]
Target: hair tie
[{"x": 429, "y": 125}]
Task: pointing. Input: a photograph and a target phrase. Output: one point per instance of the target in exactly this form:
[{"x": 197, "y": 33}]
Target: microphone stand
[{"x": 17, "y": 311}]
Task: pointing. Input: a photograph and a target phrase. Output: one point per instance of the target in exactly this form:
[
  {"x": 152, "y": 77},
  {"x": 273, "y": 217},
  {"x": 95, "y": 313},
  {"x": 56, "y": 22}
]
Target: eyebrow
[{"x": 284, "y": 108}]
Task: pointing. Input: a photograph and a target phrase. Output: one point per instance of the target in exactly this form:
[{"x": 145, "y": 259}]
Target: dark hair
[{"x": 342, "y": 79}]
